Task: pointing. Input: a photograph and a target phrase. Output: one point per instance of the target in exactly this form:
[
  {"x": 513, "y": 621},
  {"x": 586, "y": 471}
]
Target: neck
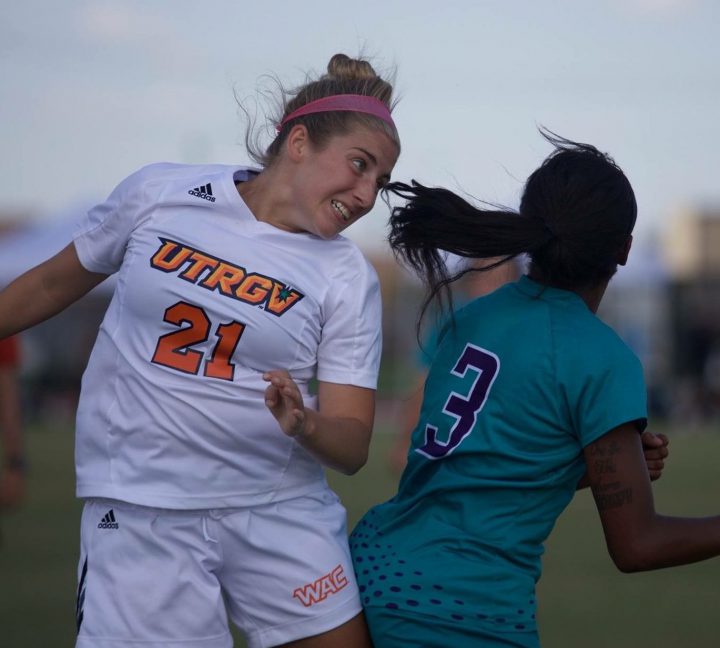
[
  {"x": 267, "y": 197},
  {"x": 592, "y": 296}
]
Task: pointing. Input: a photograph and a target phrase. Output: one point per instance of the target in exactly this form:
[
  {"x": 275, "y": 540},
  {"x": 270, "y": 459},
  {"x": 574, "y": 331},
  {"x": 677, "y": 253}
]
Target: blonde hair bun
[{"x": 342, "y": 67}]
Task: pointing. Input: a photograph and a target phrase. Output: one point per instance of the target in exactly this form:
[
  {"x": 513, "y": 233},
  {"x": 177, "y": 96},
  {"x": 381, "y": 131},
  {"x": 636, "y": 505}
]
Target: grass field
[{"x": 584, "y": 601}]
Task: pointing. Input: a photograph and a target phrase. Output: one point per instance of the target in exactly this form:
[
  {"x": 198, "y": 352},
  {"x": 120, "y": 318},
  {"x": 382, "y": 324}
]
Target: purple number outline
[{"x": 464, "y": 409}]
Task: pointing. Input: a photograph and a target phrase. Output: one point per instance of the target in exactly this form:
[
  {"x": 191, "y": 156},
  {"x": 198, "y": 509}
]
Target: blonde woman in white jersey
[{"x": 199, "y": 448}]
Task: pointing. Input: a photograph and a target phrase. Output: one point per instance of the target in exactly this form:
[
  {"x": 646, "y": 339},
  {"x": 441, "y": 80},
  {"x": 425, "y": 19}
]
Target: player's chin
[
  {"x": 329, "y": 233},
  {"x": 330, "y": 228}
]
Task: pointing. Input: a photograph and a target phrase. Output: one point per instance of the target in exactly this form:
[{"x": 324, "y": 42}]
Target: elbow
[
  {"x": 353, "y": 467},
  {"x": 629, "y": 566},
  {"x": 352, "y": 462},
  {"x": 357, "y": 454},
  {"x": 631, "y": 557}
]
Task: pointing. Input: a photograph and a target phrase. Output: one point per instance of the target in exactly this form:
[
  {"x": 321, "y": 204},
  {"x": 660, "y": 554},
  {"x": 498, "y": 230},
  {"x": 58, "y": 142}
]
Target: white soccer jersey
[{"x": 171, "y": 410}]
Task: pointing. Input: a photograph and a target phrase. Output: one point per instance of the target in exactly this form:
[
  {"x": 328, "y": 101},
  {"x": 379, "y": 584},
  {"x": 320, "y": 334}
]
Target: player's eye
[{"x": 359, "y": 164}]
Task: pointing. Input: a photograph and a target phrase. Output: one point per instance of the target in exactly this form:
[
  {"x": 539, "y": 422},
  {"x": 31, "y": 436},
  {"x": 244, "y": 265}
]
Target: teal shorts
[{"x": 396, "y": 629}]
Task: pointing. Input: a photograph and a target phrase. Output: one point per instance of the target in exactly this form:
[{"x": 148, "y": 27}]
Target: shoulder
[
  {"x": 588, "y": 346},
  {"x": 347, "y": 263},
  {"x": 156, "y": 182},
  {"x": 161, "y": 173},
  {"x": 575, "y": 331},
  {"x": 596, "y": 337}
]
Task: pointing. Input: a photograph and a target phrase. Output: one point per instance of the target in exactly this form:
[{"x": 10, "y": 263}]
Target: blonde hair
[{"x": 344, "y": 75}]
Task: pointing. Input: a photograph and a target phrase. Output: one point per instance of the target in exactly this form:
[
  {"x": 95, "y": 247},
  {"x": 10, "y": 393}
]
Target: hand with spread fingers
[{"x": 284, "y": 400}]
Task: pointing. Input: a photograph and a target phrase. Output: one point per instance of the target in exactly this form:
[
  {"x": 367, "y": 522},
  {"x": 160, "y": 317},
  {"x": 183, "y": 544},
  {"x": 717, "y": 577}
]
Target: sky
[{"x": 92, "y": 90}]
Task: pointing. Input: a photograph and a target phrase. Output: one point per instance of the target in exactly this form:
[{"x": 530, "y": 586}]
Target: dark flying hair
[{"x": 576, "y": 214}]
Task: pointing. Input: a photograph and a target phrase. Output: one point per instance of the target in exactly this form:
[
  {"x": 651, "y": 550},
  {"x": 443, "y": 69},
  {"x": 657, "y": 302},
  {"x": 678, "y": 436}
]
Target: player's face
[{"x": 337, "y": 184}]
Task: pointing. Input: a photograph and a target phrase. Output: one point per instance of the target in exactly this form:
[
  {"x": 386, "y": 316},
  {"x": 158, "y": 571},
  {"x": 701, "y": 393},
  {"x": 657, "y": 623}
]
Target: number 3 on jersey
[
  {"x": 464, "y": 409},
  {"x": 173, "y": 349}
]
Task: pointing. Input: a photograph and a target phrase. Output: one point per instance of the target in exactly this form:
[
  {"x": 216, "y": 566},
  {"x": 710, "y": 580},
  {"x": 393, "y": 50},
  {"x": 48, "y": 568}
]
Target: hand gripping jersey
[
  {"x": 172, "y": 411},
  {"x": 525, "y": 380}
]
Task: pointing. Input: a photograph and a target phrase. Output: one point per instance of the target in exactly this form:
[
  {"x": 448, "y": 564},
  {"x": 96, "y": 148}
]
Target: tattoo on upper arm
[
  {"x": 604, "y": 466},
  {"x": 603, "y": 488},
  {"x": 619, "y": 498},
  {"x": 603, "y": 459},
  {"x": 612, "y": 494}
]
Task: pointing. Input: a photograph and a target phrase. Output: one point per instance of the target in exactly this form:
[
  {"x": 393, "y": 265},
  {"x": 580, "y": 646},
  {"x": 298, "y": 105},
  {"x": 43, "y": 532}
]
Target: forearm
[
  {"x": 637, "y": 537},
  {"x": 17, "y": 311},
  {"x": 336, "y": 442},
  {"x": 669, "y": 541},
  {"x": 338, "y": 433},
  {"x": 44, "y": 291}
]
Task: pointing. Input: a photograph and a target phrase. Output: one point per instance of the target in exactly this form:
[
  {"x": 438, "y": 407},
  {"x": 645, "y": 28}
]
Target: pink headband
[{"x": 344, "y": 102}]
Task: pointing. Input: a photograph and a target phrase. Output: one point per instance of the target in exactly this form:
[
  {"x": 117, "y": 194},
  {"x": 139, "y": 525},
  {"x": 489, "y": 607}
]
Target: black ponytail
[
  {"x": 435, "y": 220},
  {"x": 576, "y": 215}
]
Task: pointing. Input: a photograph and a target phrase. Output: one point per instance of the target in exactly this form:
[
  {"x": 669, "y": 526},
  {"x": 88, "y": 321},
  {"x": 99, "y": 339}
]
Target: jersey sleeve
[
  {"x": 611, "y": 392},
  {"x": 101, "y": 238},
  {"x": 351, "y": 342}
]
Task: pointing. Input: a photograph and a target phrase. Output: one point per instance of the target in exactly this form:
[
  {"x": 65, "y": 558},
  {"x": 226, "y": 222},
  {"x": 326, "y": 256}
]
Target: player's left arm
[
  {"x": 338, "y": 433},
  {"x": 655, "y": 451},
  {"x": 637, "y": 537}
]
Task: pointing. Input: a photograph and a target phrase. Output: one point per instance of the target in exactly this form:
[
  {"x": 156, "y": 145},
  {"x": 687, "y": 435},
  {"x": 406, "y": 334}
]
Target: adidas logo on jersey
[
  {"x": 108, "y": 522},
  {"x": 204, "y": 191}
]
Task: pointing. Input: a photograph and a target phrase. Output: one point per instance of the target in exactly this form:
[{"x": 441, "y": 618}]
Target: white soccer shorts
[{"x": 152, "y": 578}]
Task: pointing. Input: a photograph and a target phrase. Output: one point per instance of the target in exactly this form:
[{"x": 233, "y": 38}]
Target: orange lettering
[
  {"x": 338, "y": 576},
  {"x": 170, "y": 256},
  {"x": 226, "y": 277},
  {"x": 282, "y": 298},
  {"x": 322, "y": 587},
  {"x": 201, "y": 263},
  {"x": 254, "y": 289}
]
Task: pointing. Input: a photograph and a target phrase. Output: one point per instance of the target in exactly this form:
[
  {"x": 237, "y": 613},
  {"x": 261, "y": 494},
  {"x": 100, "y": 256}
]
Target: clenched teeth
[{"x": 341, "y": 209}]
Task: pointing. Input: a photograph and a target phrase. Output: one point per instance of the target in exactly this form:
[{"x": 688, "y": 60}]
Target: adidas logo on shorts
[
  {"x": 108, "y": 522},
  {"x": 205, "y": 191}
]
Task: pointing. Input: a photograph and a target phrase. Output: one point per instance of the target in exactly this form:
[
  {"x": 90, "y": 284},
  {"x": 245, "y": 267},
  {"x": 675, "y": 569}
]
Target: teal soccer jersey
[{"x": 527, "y": 377}]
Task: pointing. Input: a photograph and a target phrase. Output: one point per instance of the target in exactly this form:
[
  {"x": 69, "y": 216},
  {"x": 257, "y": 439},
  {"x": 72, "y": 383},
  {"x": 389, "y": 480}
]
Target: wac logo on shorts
[
  {"x": 108, "y": 522},
  {"x": 322, "y": 587}
]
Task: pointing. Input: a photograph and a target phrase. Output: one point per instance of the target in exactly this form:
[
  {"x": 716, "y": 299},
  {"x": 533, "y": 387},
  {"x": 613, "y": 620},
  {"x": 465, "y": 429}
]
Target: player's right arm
[
  {"x": 338, "y": 433},
  {"x": 637, "y": 537},
  {"x": 44, "y": 291}
]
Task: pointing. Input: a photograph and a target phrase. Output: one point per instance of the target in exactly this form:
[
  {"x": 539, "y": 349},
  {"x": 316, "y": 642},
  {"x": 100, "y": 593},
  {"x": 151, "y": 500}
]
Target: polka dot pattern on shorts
[{"x": 392, "y": 584}]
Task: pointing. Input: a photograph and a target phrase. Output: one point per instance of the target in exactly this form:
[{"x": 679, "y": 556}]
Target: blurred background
[{"x": 92, "y": 90}]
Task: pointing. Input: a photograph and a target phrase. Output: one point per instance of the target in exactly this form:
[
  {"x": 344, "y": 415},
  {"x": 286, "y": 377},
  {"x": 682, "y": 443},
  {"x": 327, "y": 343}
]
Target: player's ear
[
  {"x": 625, "y": 252},
  {"x": 297, "y": 142}
]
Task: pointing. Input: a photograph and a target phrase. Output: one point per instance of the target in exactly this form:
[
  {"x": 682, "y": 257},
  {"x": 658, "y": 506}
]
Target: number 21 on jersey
[
  {"x": 464, "y": 409},
  {"x": 174, "y": 350}
]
